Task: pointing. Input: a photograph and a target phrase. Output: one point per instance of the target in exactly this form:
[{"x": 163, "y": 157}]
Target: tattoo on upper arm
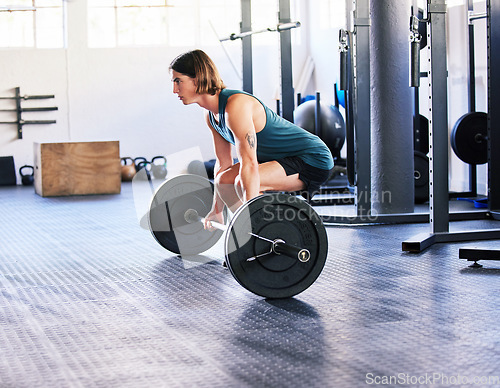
[{"x": 250, "y": 139}]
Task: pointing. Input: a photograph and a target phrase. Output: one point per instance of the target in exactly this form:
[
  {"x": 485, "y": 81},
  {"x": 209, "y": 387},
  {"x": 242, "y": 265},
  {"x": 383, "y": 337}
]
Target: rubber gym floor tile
[{"x": 89, "y": 299}]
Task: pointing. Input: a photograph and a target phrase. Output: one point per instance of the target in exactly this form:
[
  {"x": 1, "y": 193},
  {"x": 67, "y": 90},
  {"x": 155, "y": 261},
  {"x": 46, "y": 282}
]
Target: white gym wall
[{"x": 125, "y": 93}]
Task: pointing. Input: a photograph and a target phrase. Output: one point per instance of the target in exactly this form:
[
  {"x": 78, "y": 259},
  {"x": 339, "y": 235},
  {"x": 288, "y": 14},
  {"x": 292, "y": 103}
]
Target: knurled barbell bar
[
  {"x": 278, "y": 246},
  {"x": 275, "y": 244}
]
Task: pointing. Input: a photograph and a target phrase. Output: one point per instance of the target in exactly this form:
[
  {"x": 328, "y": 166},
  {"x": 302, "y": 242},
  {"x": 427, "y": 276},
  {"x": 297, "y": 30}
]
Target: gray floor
[{"x": 89, "y": 299}]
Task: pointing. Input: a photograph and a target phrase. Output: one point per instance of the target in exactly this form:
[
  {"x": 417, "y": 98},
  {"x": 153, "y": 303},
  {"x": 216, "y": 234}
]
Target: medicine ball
[
  {"x": 333, "y": 129},
  {"x": 197, "y": 167}
]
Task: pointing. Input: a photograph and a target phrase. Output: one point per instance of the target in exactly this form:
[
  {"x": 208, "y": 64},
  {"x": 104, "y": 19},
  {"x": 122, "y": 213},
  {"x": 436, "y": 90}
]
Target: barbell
[
  {"x": 278, "y": 246},
  {"x": 279, "y": 28},
  {"x": 275, "y": 245}
]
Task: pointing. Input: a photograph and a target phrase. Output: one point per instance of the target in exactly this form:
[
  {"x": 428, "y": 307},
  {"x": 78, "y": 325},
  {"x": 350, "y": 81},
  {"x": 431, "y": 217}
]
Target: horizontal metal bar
[
  {"x": 40, "y": 97},
  {"x": 401, "y": 218},
  {"x": 424, "y": 240},
  {"x": 278, "y": 28},
  {"x": 192, "y": 216},
  {"x": 29, "y": 122},
  {"x": 16, "y": 9},
  {"x": 332, "y": 201},
  {"x": 41, "y": 109},
  {"x": 419, "y": 242},
  {"x": 22, "y": 9},
  {"x": 279, "y": 246},
  {"x": 476, "y": 15},
  {"x": 241, "y": 35},
  {"x": 131, "y": 6}
]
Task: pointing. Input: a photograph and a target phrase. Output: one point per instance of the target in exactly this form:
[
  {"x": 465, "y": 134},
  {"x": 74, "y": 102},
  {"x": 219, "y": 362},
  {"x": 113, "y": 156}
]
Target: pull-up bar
[{"x": 278, "y": 28}]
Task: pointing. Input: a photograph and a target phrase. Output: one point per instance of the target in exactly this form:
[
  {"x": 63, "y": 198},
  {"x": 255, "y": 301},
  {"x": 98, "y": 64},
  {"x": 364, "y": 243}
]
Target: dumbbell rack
[{"x": 20, "y": 122}]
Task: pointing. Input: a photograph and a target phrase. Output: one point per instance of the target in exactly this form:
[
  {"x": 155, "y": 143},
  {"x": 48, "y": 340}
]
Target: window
[
  {"x": 265, "y": 14},
  {"x": 125, "y": 23},
  {"x": 218, "y": 19},
  {"x": 115, "y": 23},
  {"x": 122, "y": 23},
  {"x": 332, "y": 14},
  {"x": 32, "y": 23}
]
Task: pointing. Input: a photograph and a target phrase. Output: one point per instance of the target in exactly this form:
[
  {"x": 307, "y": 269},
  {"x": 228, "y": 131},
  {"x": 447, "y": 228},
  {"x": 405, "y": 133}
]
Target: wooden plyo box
[{"x": 78, "y": 168}]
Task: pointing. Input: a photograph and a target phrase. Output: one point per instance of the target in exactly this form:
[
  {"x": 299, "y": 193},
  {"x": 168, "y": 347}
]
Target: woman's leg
[{"x": 272, "y": 177}]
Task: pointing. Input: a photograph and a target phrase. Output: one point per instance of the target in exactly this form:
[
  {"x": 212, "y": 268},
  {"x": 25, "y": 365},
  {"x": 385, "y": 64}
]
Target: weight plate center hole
[{"x": 275, "y": 262}]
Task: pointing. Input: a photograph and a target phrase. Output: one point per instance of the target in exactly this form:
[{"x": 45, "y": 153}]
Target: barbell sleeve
[
  {"x": 415, "y": 64},
  {"x": 287, "y": 26},
  {"x": 344, "y": 52},
  {"x": 414, "y": 53},
  {"x": 343, "y": 70},
  {"x": 282, "y": 248}
]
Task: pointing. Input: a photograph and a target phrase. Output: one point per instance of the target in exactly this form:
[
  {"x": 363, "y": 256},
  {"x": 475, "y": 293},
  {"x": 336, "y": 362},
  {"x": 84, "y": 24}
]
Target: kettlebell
[
  {"x": 128, "y": 169},
  {"x": 147, "y": 169},
  {"x": 138, "y": 163},
  {"x": 159, "y": 167},
  {"x": 27, "y": 179}
]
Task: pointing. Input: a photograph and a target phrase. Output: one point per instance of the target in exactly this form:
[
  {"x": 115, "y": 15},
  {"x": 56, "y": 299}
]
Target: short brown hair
[{"x": 198, "y": 65}]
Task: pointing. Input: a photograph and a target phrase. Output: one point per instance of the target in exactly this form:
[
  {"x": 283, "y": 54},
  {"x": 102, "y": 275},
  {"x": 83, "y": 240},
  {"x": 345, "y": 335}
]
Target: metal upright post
[
  {"x": 472, "y": 91},
  {"x": 493, "y": 36},
  {"x": 471, "y": 59},
  {"x": 391, "y": 124},
  {"x": 362, "y": 118},
  {"x": 287, "y": 93},
  {"x": 246, "y": 44},
  {"x": 438, "y": 111},
  {"x": 493, "y": 7}
]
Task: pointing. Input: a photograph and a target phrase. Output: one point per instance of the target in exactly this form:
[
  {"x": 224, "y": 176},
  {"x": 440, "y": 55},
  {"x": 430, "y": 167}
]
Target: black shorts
[{"x": 313, "y": 177}]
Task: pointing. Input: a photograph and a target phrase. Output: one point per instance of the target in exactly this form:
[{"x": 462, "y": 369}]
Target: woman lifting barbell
[{"x": 273, "y": 154}]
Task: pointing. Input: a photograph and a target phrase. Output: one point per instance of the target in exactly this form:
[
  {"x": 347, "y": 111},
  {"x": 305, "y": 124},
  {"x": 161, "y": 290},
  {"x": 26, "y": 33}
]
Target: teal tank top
[{"x": 279, "y": 138}]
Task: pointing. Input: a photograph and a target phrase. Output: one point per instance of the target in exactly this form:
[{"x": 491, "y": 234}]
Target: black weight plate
[
  {"x": 275, "y": 216},
  {"x": 468, "y": 138},
  {"x": 421, "y": 175},
  {"x": 166, "y": 215}
]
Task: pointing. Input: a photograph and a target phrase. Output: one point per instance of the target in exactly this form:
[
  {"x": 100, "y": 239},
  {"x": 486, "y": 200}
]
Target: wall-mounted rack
[{"x": 19, "y": 110}]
